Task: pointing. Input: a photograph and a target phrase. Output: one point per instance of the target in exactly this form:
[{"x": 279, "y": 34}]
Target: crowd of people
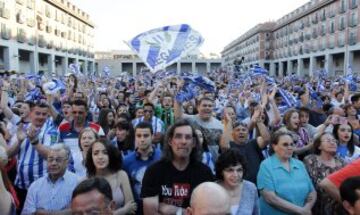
[{"x": 158, "y": 144}]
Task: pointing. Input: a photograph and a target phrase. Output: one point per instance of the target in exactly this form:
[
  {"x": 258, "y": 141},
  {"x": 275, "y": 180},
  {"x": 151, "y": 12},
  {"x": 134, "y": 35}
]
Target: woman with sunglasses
[
  {"x": 104, "y": 160},
  {"x": 283, "y": 181},
  {"x": 321, "y": 164},
  {"x": 344, "y": 134}
]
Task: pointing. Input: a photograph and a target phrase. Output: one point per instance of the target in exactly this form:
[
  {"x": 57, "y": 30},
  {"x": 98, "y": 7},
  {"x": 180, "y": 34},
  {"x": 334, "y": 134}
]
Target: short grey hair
[{"x": 61, "y": 146}]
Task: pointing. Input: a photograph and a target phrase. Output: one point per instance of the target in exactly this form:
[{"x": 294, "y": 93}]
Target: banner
[{"x": 161, "y": 47}]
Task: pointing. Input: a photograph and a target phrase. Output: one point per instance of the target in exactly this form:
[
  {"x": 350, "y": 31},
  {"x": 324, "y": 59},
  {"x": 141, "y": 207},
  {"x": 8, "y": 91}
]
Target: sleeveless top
[{"x": 118, "y": 195}]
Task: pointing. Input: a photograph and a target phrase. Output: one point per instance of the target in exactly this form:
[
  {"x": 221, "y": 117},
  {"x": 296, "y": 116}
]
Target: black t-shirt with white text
[{"x": 173, "y": 187}]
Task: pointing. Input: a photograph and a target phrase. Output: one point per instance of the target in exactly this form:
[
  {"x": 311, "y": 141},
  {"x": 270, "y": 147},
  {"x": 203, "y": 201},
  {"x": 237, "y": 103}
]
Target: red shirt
[{"x": 352, "y": 169}]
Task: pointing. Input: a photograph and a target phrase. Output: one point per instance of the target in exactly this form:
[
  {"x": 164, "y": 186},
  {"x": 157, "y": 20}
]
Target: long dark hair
[
  {"x": 115, "y": 158},
  {"x": 103, "y": 121},
  {"x": 128, "y": 143},
  {"x": 350, "y": 145},
  {"x": 168, "y": 154}
]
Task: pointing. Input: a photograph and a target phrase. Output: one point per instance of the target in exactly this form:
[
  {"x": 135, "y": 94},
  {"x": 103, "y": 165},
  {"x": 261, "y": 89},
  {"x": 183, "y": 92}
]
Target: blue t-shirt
[
  {"x": 293, "y": 186},
  {"x": 342, "y": 150},
  {"x": 135, "y": 167}
]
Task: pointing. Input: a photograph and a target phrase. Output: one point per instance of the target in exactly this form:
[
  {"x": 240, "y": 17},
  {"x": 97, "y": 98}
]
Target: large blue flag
[{"x": 161, "y": 47}]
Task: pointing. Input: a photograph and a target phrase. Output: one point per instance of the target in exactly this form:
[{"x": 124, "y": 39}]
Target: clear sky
[{"x": 218, "y": 21}]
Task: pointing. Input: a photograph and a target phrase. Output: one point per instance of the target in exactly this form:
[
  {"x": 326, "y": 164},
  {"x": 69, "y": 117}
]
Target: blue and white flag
[
  {"x": 161, "y": 47},
  {"x": 164, "y": 74},
  {"x": 53, "y": 86},
  {"x": 75, "y": 69},
  {"x": 33, "y": 95},
  {"x": 201, "y": 82},
  {"x": 258, "y": 70},
  {"x": 35, "y": 78},
  {"x": 106, "y": 71}
]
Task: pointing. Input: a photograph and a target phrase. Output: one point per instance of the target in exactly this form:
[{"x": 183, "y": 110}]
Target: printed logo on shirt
[{"x": 176, "y": 194}]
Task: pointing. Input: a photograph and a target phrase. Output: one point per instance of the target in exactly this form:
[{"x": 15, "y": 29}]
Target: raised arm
[
  {"x": 4, "y": 101},
  {"x": 226, "y": 135},
  {"x": 274, "y": 107}
]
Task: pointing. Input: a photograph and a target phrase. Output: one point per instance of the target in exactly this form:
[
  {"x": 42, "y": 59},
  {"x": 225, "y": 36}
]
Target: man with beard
[
  {"x": 69, "y": 131},
  {"x": 180, "y": 171},
  {"x": 51, "y": 194}
]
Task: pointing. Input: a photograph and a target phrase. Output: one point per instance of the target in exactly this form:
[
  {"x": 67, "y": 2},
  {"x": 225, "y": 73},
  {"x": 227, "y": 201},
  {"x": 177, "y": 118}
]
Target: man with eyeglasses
[
  {"x": 51, "y": 194},
  {"x": 156, "y": 123},
  {"x": 69, "y": 132},
  {"x": 168, "y": 183}
]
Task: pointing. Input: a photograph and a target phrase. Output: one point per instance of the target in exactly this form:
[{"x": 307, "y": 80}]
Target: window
[
  {"x": 332, "y": 27},
  {"x": 314, "y": 19},
  {"x": 352, "y": 37},
  {"x": 30, "y": 4},
  {"x": 20, "y": 17},
  {"x": 48, "y": 11},
  {"x": 323, "y": 15},
  {"x": 323, "y": 29},
  {"x": 341, "y": 23},
  {"x": 341, "y": 40},
  {"x": 314, "y": 33},
  {"x": 342, "y": 6},
  {"x": 331, "y": 43},
  {"x": 5, "y": 32},
  {"x": 21, "y": 35},
  {"x": 353, "y": 19},
  {"x": 353, "y": 4},
  {"x": 5, "y": 13}
]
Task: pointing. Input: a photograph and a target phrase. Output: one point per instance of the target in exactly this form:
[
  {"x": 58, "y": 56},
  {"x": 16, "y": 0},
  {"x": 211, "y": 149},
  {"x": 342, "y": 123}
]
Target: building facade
[
  {"x": 45, "y": 35},
  {"x": 321, "y": 34},
  {"x": 127, "y": 61}
]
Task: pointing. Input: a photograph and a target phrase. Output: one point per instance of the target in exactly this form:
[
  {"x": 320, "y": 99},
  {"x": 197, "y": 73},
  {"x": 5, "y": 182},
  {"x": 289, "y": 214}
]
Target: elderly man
[
  {"x": 180, "y": 171},
  {"x": 209, "y": 198},
  {"x": 51, "y": 194}
]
